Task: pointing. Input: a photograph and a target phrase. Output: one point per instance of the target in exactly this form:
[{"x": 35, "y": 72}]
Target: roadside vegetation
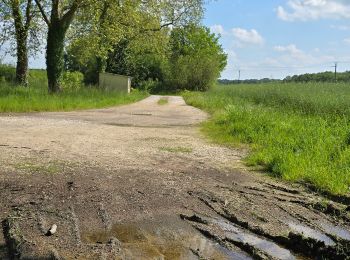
[
  {"x": 163, "y": 46},
  {"x": 298, "y": 132},
  {"x": 14, "y": 98}
]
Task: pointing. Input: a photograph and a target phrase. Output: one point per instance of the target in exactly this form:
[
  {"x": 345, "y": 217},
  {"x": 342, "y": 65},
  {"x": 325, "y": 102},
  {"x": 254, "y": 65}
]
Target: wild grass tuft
[
  {"x": 178, "y": 149},
  {"x": 163, "y": 101},
  {"x": 299, "y": 132}
]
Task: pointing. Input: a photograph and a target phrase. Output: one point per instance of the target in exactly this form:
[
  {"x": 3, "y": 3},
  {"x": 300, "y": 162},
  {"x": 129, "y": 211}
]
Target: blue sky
[{"x": 276, "y": 38}]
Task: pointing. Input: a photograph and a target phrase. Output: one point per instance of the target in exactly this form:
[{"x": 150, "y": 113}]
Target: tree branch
[
  {"x": 54, "y": 11},
  {"x": 28, "y": 15},
  {"x": 67, "y": 17},
  {"x": 43, "y": 14}
]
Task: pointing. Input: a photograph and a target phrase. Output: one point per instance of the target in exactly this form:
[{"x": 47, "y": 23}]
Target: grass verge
[
  {"x": 298, "y": 132},
  {"x": 36, "y": 98}
]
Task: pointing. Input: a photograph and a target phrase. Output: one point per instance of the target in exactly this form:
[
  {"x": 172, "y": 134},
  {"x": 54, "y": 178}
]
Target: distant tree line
[
  {"x": 247, "y": 81},
  {"x": 327, "y": 76}
]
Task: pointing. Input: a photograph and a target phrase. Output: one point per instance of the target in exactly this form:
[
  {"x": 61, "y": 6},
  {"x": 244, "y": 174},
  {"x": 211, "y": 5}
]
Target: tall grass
[
  {"x": 36, "y": 98},
  {"x": 299, "y": 132}
]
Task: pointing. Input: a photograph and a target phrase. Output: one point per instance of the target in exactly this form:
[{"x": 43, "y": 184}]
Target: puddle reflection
[{"x": 171, "y": 239}]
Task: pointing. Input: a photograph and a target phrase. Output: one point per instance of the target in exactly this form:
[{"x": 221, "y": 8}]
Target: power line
[
  {"x": 289, "y": 69},
  {"x": 335, "y": 71},
  {"x": 282, "y": 68}
]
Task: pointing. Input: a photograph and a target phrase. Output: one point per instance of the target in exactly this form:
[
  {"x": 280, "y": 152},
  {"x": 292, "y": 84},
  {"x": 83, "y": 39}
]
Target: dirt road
[{"x": 140, "y": 182}]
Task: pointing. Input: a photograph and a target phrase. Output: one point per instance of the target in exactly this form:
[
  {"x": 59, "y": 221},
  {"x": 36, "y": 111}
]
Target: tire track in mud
[{"x": 286, "y": 225}]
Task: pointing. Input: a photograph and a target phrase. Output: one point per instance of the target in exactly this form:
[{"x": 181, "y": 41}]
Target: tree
[
  {"x": 100, "y": 27},
  {"x": 18, "y": 22},
  {"x": 117, "y": 26},
  {"x": 144, "y": 57},
  {"x": 61, "y": 17},
  {"x": 197, "y": 58}
]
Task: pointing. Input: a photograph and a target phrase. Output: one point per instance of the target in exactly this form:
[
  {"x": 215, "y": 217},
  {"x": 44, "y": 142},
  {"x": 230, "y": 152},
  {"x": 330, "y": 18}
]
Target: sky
[
  {"x": 277, "y": 38},
  {"x": 274, "y": 38}
]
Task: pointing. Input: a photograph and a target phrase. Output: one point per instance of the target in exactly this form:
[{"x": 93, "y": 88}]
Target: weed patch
[
  {"x": 163, "y": 101},
  {"x": 49, "y": 168},
  {"x": 176, "y": 149}
]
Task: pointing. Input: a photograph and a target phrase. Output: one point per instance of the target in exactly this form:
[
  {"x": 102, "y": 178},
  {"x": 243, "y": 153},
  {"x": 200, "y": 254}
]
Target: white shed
[{"x": 115, "y": 82}]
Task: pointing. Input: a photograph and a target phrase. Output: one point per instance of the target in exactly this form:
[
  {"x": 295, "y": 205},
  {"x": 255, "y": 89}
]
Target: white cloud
[
  {"x": 340, "y": 27},
  {"x": 247, "y": 36},
  {"x": 347, "y": 41},
  {"x": 292, "y": 55},
  {"x": 292, "y": 49},
  {"x": 218, "y": 29},
  {"x": 304, "y": 10}
]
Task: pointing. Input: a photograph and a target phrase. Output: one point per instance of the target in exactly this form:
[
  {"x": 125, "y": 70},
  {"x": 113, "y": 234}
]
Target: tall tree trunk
[
  {"x": 101, "y": 62},
  {"x": 57, "y": 28},
  {"x": 22, "y": 61},
  {"x": 21, "y": 30},
  {"x": 55, "y": 55}
]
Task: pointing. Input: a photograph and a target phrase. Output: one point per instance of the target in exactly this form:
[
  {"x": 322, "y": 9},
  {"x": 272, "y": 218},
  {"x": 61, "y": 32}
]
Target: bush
[
  {"x": 149, "y": 86},
  {"x": 7, "y": 73},
  {"x": 72, "y": 81},
  {"x": 197, "y": 64}
]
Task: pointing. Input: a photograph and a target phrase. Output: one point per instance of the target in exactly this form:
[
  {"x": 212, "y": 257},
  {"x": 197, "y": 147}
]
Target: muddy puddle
[
  {"x": 337, "y": 231},
  {"x": 170, "y": 238},
  {"x": 238, "y": 235},
  {"x": 311, "y": 233}
]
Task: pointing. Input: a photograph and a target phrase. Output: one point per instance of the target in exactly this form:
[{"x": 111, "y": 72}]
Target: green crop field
[
  {"x": 299, "y": 132},
  {"x": 76, "y": 96}
]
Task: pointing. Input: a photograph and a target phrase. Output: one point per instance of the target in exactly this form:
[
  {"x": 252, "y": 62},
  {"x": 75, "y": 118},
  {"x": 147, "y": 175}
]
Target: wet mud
[{"x": 169, "y": 239}]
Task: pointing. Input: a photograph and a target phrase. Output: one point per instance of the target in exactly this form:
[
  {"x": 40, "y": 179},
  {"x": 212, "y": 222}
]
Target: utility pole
[
  {"x": 335, "y": 71},
  {"x": 239, "y": 74}
]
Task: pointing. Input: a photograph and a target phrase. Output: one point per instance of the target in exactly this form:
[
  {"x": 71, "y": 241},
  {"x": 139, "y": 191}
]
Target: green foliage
[
  {"x": 150, "y": 86},
  {"x": 299, "y": 132},
  {"x": 248, "y": 81},
  {"x": 197, "y": 58},
  {"x": 163, "y": 101},
  {"x": 7, "y": 72},
  {"x": 36, "y": 97},
  {"x": 20, "y": 29},
  {"x": 15, "y": 13},
  {"x": 130, "y": 39},
  {"x": 8, "y": 75},
  {"x": 72, "y": 80},
  {"x": 143, "y": 58}
]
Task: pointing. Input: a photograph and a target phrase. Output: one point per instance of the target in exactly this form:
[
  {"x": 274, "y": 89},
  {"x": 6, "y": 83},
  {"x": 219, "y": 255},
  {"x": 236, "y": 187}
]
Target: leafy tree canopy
[{"x": 197, "y": 58}]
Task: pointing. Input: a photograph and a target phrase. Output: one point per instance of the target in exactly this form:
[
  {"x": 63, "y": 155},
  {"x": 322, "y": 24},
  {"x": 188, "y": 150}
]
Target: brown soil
[{"x": 139, "y": 182}]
